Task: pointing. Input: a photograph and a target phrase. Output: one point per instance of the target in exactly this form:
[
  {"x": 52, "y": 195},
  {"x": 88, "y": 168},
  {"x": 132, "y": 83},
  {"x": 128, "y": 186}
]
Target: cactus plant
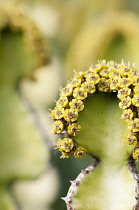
[
  {"x": 23, "y": 154},
  {"x": 88, "y": 116},
  {"x": 107, "y": 36}
]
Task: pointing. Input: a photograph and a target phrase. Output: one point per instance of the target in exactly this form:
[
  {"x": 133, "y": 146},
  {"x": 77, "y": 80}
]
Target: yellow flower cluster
[
  {"x": 14, "y": 18},
  {"x": 104, "y": 77},
  {"x": 68, "y": 148}
]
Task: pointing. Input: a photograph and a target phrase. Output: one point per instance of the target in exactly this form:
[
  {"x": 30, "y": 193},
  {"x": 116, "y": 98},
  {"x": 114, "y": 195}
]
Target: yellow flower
[
  {"x": 125, "y": 102},
  {"x": 70, "y": 115},
  {"x": 93, "y": 78},
  {"x": 113, "y": 73},
  {"x": 125, "y": 70},
  {"x": 90, "y": 88},
  {"x": 73, "y": 129},
  {"x": 130, "y": 139},
  {"x": 125, "y": 82},
  {"x": 58, "y": 113},
  {"x": 80, "y": 93},
  {"x": 57, "y": 126},
  {"x": 135, "y": 100},
  {"x": 127, "y": 115},
  {"x": 67, "y": 91},
  {"x": 136, "y": 89},
  {"x": 136, "y": 154},
  {"x": 133, "y": 74},
  {"x": 91, "y": 70},
  {"x": 136, "y": 80},
  {"x": 65, "y": 145},
  {"x": 63, "y": 102},
  {"x": 133, "y": 125},
  {"x": 75, "y": 83},
  {"x": 123, "y": 92},
  {"x": 79, "y": 152},
  {"x": 104, "y": 72},
  {"x": 114, "y": 83},
  {"x": 104, "y": 85},
  {"x": 76, "y": 104}
]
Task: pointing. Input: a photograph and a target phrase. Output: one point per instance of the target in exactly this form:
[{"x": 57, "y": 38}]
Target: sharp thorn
[{"x": 64, "y": 198}]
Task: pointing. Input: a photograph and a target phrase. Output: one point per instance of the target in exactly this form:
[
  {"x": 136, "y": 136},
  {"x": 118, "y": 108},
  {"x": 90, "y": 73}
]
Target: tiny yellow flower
[
  {"x": 133, "y": 125},
  {"x": 67, "y": 91},
  {"x": 136, "y": 80},
  {"x": 114, "y": 73},
  {"x": 70, "y": 115},
  {"x": 58, "y": 113},
  {"x": 63, "y": 102},
  {"x": 125, "y": 82},
  {"x": 104, "y": 85},
  {"x": 104, "y": 72},
  {"x": 114, "y": 83},
  {"x": 90, "y": 88},
  {"x": 91, "y": 70},
  {"x": 76, "y": 104},
  {"x": 125, "y": 102},
  {"x": 136, "y": 89},
  {"x": 80, "y": 93},
  {"x": 124, "y": 92},
  {"x": 133, "y": 74},
  {"x": 75, "y": 83},
  {"x": 136, "y": 154},
  {"x": 73, "y": 129},
  {"x": 79, "y": 152},
  {"x": 93, "y": 78},
  {"x": 57, "y": 126},
  {"x": 125, "y": 70},
  {"x": 127, "y": 115},
  {"x": 65, "y": 145},
  {"x": 130, "y": 139},
  {"x": 135, "y": 100}
]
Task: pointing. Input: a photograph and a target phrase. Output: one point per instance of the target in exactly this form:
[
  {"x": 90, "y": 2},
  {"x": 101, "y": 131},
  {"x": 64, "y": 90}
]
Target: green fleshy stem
[
  {"x": 111, "y": 185},
  {"x": 23, "y": 154},
  {"x": 6, "y": 202},
  {"x": 106, "y": 37}
]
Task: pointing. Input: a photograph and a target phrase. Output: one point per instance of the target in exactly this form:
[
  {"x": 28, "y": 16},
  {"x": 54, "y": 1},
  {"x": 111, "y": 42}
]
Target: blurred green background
[{"x": 41, "y": 43}]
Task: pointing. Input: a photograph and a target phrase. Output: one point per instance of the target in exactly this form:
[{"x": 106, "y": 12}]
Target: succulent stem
[{"x": 75, "y": 183}]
